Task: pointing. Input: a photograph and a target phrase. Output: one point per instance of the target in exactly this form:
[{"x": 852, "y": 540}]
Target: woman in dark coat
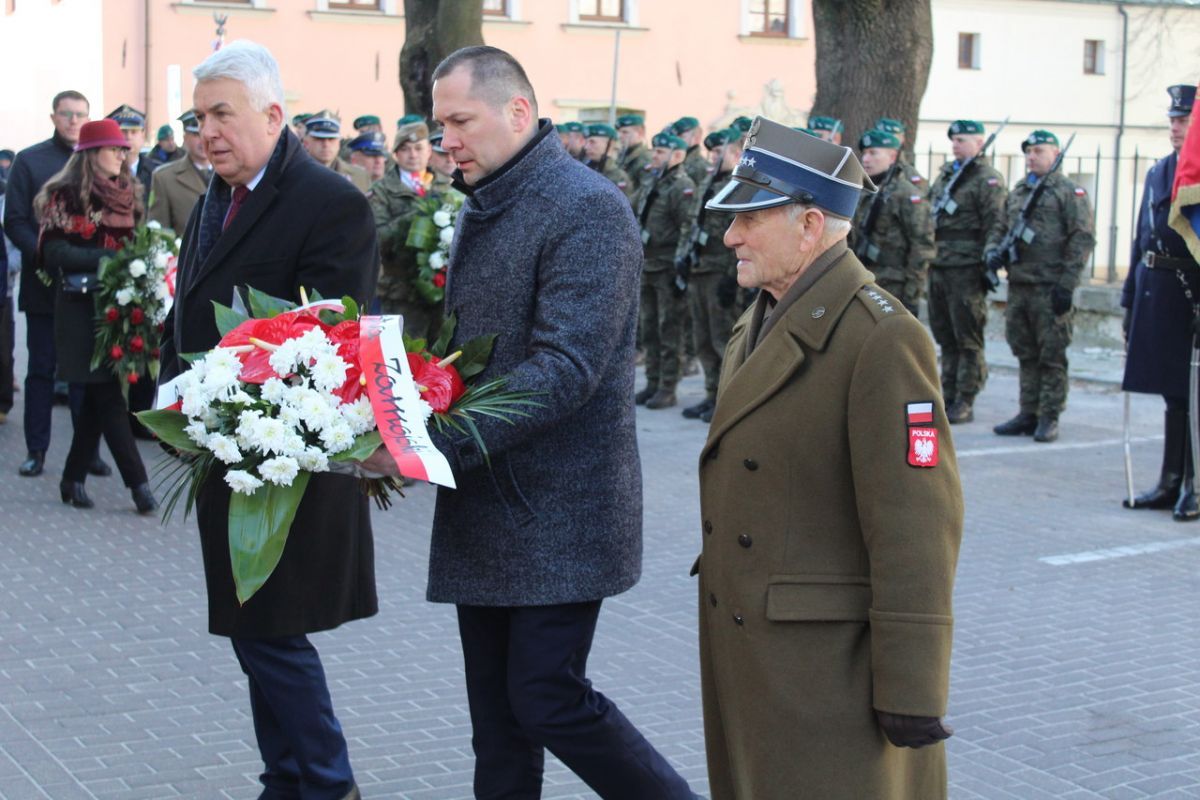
[{"x": 87, "y": 211}]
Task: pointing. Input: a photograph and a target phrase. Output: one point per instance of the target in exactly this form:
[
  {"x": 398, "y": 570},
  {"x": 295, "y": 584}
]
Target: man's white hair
[
  {"x": 251, "y": 65},
  {"x": 835, "y": 227}
]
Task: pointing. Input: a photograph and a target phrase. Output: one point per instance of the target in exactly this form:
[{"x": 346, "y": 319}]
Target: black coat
[
  {"x": 31, "y": 169},
  {"x": 303, "y": 225},
  {"x": 1160, "y": 329}
]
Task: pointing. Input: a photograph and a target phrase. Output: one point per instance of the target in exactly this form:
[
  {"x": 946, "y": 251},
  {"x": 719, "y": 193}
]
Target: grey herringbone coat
[{"x": 547, "y": 255}]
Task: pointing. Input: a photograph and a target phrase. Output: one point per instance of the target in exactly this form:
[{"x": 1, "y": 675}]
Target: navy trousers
[
  {"x": 527, "y": 689},
  {"x": 300, "y": 739},
  {"x": 39, "y": 380}
]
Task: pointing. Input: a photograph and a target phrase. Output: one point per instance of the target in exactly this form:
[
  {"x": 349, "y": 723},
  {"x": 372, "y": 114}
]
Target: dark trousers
[
  {"x": 527, "y": 689},
  {"x": 39, "y": 380},
  {"x": 7, "y": 343},
  {"x": 102, "y": 412},
  {"x": 300, "y": 739}
]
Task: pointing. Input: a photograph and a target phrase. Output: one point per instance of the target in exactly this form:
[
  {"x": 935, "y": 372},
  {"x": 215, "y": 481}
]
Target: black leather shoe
[
  {"x": 33, "y": 464},
  {"x": 1162, "y": 496},
  {"x": 696, "y": 411},
  {"x": 1174, "y": 464},
  {"x": 143, "y": 498},
  {"x": 99, "y": 467},
  {"x": 961, "y": 410},
  {"x": 645, "y": 394},
  {"x": 1021, "y": 425},
  {"x": 74, "y": 494},
  {"x": 1187, "y": 509},
  {"x": 1047, "y": 429},
  {"x": 663, "y": 398}
]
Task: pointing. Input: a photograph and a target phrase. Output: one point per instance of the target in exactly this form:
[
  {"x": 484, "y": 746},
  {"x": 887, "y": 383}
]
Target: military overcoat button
[
  {"x": 708, "y": 526},
  {"x": 818, "y": 312},
  {"x": 744, "y": 540},
  {"x": 750, "y": 464},
  {"x": 737, "y": 618},
  {"x": 712, "y": 599}
]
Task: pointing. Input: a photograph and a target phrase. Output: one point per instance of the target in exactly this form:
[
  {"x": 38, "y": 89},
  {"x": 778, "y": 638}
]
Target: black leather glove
[
  {"x": 1060, "y": 300},
  {"x": 994, "y": 260},
  {"x": 991, "y": 281},
  {"x": 683, "y": 267},
  {"x": 727, "y": 289},
  {"x": 905, "y": 731}
]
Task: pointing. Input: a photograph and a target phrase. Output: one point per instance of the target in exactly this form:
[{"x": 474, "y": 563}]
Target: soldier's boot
[
  {"x": 1047, "y": 428},
  {"x": 961, "y": 410},
  {"x": 645, "y": 394},
  {"x": 1023, "y": 424},
  {"x": 697, "y": 411},
  {"x": 708, "y": 415},
  {"x": 1175, "y": 443},
  {"x": 663, "y": 398},
  {"x": 1187, "y": 508}
]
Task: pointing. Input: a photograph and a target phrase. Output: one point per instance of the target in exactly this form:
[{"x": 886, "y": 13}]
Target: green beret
[
  {"x": 721, "y": 138},
  {"x": 409, "y": 119},
  {"x": 826, "y": 124},
  {"x": 809, "y": 131},
  {"x": 965, "y": 126},
  {"x": 365, "y": 120},
  {"x": 1039, "y": 137},
  {"x": 685, "y": 124},
  {"x": 600, "y": 129},
  {"x": 300, "y": 119},
  {"x": 573, "y": 127},
  {"x": 670, "y": 140},
  {"x": 742, "y": 123},
  {"x": 890, "y": 125},
  {"x": 878, "y": 138},
  {"x": 630, "y": 121},
  {"x": 165, "y": 132}
]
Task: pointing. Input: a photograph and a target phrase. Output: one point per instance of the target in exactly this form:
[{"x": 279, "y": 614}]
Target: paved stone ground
[{"x": 1074, "y": 677}]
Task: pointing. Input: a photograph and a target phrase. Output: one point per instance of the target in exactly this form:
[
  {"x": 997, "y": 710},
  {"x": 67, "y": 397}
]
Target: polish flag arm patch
[
  {"x": 922, "y": 435},
  {"x": 920, "y": 413}
]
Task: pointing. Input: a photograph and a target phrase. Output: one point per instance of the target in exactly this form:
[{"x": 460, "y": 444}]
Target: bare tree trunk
[
  {"x": 433, "y": 30},
  {"x": 873, "y": 60}
]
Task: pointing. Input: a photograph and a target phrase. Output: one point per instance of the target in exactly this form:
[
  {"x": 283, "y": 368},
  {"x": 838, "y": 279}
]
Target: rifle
[
  {"x": 1020, "y": 231},
  {"x": 867, "y": 252},
  {"x": 945, "y": 202}
]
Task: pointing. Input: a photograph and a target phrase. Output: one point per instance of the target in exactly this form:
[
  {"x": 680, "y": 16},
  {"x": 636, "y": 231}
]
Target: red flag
[{"x": 1184, "y": 217}]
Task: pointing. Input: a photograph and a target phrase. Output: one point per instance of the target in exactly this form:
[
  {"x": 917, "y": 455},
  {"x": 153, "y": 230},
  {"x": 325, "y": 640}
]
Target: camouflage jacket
[
  {"x": 917, "y": 180},
  {"x": 903, "y": 231},
  {"x": 394, "y": 205},
  {"x": 664, "y": 211},
  {"x": 355, "y": 174},
  {"x": 636, "y": 163},
  {"x": 707, "y": 231},
  {"x": 1062, "y": 228},
  {"x": 617, "y": 175},
  {"x": 696, "y": 165},
  {"x": 978, "y": 203}
]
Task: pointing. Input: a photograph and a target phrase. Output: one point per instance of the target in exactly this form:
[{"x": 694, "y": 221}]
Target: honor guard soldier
[
  {"x": 368, "y": 123},
  {"x": 897, "y": 128},
  {"x": 369, "y": 151},
  {"x": 828, "y": 128},
  {"x": 571, "y": 134},
  {"x": 695, "y": 165},
  {"x": 395, "y": 200},
  {"x": 599, "y": 148},
  {"x": 741, "y": 124},
  {"x": 298, "y": 125},
  {"x": 321, "y": 140},
  {"x": 830, "y": 504},
  {"x": 133, "y": 126},
  {"x": 709, "y": 269},
  {"x": 635, "y": 156},
  {"x": 663, "y": 208},
  {"x": 1162, "y": 300},
  {"x": 176, "y": 187},
  {"x": 1050, "y": 252},
  {"x": 968, "y": 200},
  {"x": 893, "y": 232}
]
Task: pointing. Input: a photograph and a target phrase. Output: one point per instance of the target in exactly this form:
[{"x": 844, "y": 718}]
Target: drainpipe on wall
[{"x": 1116, "y": 187}]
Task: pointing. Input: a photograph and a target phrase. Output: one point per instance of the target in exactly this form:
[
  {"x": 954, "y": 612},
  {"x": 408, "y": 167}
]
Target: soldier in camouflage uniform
[
  {"x": 599, "y": 148},
  {"x": 696, "y": 164},
  {"x": 1041, "y": 285},
  {"x": 571, "y": 134},
  {"x": 322, "y": 143},
  {"x": 710, "y": 269},
  {"x": 395, "y": 202},
  {"x": 957, "y": 283},
  {"x": 663, "y": 209},
  {"x": 897, "y": 128},
  {"x": 828, "y": 128},
  {"x": 898, "y": 243},
  {"x": 635, "y": 156}
]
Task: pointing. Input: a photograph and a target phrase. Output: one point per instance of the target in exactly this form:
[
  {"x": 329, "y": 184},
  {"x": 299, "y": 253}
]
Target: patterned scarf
[{"x": 115, "y": 199}]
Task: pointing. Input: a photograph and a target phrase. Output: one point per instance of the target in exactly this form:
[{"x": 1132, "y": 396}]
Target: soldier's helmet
[{"x": 781, "y": 166}]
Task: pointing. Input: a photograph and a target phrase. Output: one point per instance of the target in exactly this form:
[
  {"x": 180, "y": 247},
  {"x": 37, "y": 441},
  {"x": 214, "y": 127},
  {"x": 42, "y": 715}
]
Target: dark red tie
[{"x": 239, "y": 197}]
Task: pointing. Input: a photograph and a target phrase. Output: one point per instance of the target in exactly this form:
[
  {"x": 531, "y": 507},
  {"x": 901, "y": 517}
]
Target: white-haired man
[{"x": 243, "y": 232}]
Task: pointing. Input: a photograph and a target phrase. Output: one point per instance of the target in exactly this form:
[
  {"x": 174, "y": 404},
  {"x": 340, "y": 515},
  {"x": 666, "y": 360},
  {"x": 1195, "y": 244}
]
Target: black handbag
[{"x": 80, "y": 284}]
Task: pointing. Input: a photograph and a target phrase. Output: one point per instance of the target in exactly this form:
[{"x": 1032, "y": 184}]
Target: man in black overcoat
[{"x": 275, "y": 220}]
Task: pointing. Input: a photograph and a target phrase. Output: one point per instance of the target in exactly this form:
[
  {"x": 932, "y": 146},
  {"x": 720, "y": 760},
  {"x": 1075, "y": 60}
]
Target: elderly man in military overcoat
[{"x": 831, "y": 506}]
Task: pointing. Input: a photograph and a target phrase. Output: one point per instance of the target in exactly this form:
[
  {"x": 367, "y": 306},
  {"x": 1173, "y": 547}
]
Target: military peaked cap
[
  {"x": 435, "y": 141},
  {"x": 782, "y": 166},
  {"x": 373, "y": 143},
  {"x": 190, "y": 123},
  {"x": 1183, "y": 97},
  {"x": 128, "y": 117},
  {"x": 1039, "y": 137},
  {"x": 323, "y": 125},
  {"x": 965, "y": 126},
  {"x": 414, "y": 130}
]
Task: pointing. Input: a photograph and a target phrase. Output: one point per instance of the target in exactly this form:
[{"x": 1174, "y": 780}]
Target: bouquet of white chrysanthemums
[{"x": 431, "y": 233}]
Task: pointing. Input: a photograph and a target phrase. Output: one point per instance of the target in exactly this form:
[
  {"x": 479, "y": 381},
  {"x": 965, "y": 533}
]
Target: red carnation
[
  {"x": 439, "y": 279},
  {"x": 137, "y": 316},
  {"x": 137, "y": 344},
  {"x": 116, "y": 354},
  {"x": 112, "y": 315},
  {"x": 132, "y": 378}
]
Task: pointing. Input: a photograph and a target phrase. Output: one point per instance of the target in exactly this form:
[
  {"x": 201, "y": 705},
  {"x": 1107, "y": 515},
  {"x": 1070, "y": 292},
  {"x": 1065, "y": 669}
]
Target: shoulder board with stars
[{"x": 884, "y": 304}]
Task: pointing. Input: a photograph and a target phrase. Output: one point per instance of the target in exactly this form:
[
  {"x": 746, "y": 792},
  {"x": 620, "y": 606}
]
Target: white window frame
[
  {"x": 976, "y": 50},
  {"x": 514, "y": 12},
  {"x": 226, "y": 3},
  {"x": 795, "y": 13},
  {"x": 630, "y": 11},
  {"x": 387, "y": 7}
]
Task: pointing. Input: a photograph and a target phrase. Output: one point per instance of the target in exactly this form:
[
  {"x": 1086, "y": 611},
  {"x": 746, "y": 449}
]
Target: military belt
[
  {"x": 958, "y": 236},
  {"x": 1160, "y": 261}
]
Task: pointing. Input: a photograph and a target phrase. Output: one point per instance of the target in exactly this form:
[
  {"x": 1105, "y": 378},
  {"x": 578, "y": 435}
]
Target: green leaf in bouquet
[
  {"x": 226, "y": 318},
  {"x": 192, "y": 358},
  {"x": 314, "y": 296},
  {"x": 168, "y": 425},
  {"x": 351, "y": 307},
  {"x": 264, "y": 306},
  {"x": 364, "y": 445},
  {"x": 475, "y": 355},
  {"x": 258, "y": 531},
  {"x": 412, "y": 345},
  {"x": 422, "y": 233},
  {"x": 430, "y": 294},
  {"x": 329, "y": 316},
  {"x": 445, "y": 334}
]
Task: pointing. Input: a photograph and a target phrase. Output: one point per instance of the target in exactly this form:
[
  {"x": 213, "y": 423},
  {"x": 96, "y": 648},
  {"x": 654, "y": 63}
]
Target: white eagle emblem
[{"x": 924, "y": 450}]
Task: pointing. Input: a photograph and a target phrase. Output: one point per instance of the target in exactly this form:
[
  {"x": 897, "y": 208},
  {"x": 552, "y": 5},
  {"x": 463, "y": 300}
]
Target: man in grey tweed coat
[{"x": 547, "y": 255}]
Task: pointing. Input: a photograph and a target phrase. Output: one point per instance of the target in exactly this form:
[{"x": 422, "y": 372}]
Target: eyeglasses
[{"x": 70, "y": 115}]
